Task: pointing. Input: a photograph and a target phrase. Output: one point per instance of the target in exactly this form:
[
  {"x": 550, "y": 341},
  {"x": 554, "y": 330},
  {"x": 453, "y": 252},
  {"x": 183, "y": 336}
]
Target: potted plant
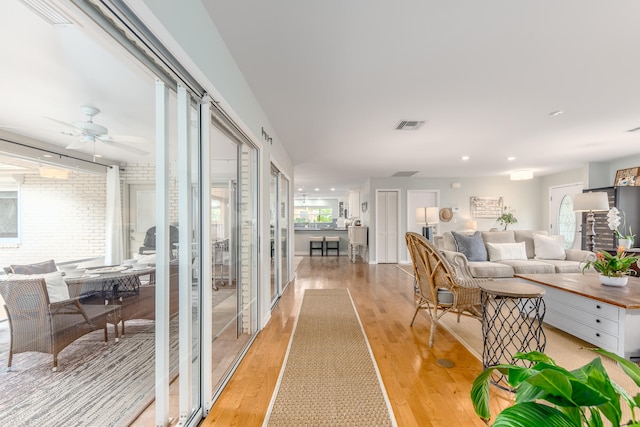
[
  {"x": 614, "y": 269},
  {"x": 551, "y": 396},
  {"x": 507, "y": 217},
  {"x": 613, "y": 220}
]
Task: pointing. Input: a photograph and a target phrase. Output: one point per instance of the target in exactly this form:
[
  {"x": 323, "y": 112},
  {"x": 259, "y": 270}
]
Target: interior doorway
[
  {"x": 562, "y": 219},
  {"x": 142, "y": 215}
]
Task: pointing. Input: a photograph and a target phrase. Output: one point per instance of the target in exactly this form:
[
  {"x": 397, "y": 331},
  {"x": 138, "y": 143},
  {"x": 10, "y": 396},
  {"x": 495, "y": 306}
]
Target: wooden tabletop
[
  {"x": 511, "y": 288},
  {"x": 588, "y": 285}
]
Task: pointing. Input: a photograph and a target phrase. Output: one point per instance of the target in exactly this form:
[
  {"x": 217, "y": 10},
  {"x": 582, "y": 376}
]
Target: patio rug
[
  {"x": 329, "y": 376},
  {"x": 568, "y": 351},
  {"x": 96, "y": 385}
]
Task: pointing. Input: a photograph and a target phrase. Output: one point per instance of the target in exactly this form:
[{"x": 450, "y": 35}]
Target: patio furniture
[
  {"x": 37, "y": 324},
  {"x": 440, "y": 291}
]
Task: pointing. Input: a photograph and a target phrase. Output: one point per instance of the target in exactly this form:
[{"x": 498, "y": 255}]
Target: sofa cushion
[
  {"x": 487, "y": 269},
  {"x": 506, "y": 236},
  {"x": 526, "y": 236},
  {"x": 500, "y": 251},
  {"x": 448, "y": 242},
  {"x": 37, "y": 268},
  {"x": 529, "y": 266},
  {"x": 471, "y": 246},
  {"x": 549, "y": 247},
  {"x": 565, "y": 266}
]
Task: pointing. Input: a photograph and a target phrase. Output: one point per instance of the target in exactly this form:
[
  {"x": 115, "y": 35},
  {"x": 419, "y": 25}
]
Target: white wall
[{"x": 187, "y": 30}]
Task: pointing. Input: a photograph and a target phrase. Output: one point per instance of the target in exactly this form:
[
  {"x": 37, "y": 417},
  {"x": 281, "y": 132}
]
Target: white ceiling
[
  {"x": 335, "y": 77},
  {"x": 49, "y": 72}
]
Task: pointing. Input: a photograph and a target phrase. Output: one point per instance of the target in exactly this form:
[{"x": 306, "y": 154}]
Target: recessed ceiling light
[
  {"x": 511, "y": 158},
  {"x": 556, "y": 113},
  {"x": 465, "y": 157},
  {"x": 300, "y": 189},
  {"x": 317, "y": 189},
  {"x": 48, "y": 156},
  {"x": 333, "y": 189}
]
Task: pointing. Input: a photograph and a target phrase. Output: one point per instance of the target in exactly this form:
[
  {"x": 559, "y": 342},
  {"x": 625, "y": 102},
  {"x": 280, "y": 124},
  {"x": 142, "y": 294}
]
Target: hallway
[{"x": 421, "y": 392}]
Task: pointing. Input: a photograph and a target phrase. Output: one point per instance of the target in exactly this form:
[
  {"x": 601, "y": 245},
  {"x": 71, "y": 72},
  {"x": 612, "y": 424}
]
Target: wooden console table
[{"x": 605, "y": 316}]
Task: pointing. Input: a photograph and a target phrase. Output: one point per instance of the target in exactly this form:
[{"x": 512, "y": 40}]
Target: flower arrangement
[
  {"x": 613, "y": 220},
  {"x": 617, "y": 265}
]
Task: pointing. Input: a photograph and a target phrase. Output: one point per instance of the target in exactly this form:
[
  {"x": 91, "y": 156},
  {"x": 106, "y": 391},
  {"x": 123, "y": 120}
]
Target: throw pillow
[
  {"x": 56, "y": 286},
  {"x": 471, "y": 246},
  {"x": 38, "y": 268},
  {"x": 507, "y": 251},
  {"x": 549, "y": 247}
]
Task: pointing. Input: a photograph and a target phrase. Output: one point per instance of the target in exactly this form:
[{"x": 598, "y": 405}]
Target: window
[
  {"x": 313, "y": 214},
  {"x": 9, "y": 224}
]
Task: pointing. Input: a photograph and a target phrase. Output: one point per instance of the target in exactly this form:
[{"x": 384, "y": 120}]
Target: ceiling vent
[
  {"x": 405, "y": 173},
  {"x": 47, "y": 11},
  {"x": 409, "y": 124}
]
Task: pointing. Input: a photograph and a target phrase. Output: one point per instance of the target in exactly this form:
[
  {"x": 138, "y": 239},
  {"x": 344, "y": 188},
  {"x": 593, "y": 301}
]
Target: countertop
[{"x": 315, "y": 230}]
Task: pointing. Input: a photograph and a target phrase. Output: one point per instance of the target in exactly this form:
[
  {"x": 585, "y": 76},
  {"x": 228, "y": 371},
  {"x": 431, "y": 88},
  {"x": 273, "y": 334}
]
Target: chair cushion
[
  {"x": 500, "y": 251},
  {"x": 549, "y": 247},
  {"x": 38, "y": 268},
  {"x": 56, "y": 286},
  {"x": 471, "y": 246}
]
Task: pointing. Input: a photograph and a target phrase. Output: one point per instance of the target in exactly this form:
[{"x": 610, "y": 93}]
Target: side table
[{"x": 512, "y": 315}]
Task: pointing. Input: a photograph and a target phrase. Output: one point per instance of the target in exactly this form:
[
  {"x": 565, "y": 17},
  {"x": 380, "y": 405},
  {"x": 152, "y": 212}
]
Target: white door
[
  {"x": 562, "y": 219},
  {"x": 387, "y": 226},
  {"x": 142, "y": 214}
]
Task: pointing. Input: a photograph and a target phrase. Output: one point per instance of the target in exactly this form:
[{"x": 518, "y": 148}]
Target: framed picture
[
  {"x": 486, "y": 207},
  {"x": 627, "y": 177},
  {"x": 365, "y": 206}
]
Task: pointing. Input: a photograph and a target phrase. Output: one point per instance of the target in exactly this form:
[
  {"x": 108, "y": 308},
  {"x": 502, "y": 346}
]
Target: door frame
[{"x": 127, "y": 209}]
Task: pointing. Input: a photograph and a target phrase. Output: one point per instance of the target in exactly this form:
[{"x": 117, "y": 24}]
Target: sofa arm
[
  {"x": 579, "y": 255},
  {"x": 460, "y": 263}
]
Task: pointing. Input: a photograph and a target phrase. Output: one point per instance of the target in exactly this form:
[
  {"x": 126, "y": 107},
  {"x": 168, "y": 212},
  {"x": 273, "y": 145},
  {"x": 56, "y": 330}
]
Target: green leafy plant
[
  {"x": 507, "y": 217},
  {"x": 617, "y": 265},
  {"x": 551, "y": 396}
]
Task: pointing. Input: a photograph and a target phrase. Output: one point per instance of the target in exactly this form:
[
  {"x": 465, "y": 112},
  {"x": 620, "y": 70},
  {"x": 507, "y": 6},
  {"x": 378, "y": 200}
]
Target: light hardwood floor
[{"x": 421, "y": 392}]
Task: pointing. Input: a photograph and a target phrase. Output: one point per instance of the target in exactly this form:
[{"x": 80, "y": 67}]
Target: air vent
[
  {"x": 47, "y": 11},
  {"x": 405, "y": 173},
  {"x": 409, "y": 124}
]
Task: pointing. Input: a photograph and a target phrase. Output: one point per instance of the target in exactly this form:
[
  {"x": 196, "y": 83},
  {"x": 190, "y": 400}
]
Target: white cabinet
[
  {"x": 604, "y": 325},
  {"x": 354, "y": 203}
]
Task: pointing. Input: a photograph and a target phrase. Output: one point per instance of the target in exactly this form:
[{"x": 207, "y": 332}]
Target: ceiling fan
[{"x": 89, "y": 132}]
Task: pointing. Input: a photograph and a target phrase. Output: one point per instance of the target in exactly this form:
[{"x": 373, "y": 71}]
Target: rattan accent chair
[
  {"x": 38, "y": 325},
  {"x": 438, "y": 289}
]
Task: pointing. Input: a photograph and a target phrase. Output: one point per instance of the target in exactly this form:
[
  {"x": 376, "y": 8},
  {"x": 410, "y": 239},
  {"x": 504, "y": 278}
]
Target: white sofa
[{"x": 509, "y": 252}]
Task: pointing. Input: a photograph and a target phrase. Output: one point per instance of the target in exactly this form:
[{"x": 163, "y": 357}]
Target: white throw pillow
[
  {"x": 506, "y": 251},
  {"x": 549, "y": 247},
  {"x": 56, "y": 286}
]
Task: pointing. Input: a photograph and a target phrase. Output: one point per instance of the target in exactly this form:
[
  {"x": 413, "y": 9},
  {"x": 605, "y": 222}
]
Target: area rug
[
  {"x": 96, "y": 385},
  {"x": 568, "y": 351},
  {"x": 329, "y": 376}
]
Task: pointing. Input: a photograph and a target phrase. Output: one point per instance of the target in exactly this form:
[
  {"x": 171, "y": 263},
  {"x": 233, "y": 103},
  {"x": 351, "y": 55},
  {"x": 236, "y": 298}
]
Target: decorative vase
[
  {"x": 613, "y": 280},
  {"x": 625, "y": 243}
]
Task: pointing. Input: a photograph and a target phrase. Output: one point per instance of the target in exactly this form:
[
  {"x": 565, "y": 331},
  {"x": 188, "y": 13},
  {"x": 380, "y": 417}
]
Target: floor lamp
[
  {"x": 590, "y": 203},
  {"x": 427, "y": 217}
]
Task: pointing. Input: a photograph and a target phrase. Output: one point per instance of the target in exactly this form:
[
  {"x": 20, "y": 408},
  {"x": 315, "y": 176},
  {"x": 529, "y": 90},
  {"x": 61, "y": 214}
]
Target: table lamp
[
  {"x": 427, "y": 217},
  {"x": 590, "y": 203}
]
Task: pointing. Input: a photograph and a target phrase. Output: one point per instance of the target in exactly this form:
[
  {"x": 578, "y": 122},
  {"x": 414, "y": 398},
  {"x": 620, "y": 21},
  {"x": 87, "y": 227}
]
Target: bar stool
[
  {"x": 512, "y": 316},
  {"x": 316, "y": 243},
  {"x": 332, "y": 243}
]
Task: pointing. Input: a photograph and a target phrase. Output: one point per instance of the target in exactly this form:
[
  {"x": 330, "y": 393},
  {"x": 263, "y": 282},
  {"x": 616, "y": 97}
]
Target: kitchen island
[{"x": 301, "y": 239}]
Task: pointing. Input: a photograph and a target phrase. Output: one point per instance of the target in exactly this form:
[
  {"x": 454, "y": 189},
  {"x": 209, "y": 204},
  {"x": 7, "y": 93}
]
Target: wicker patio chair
[
  {"x": 439, "y": 289},
  {"x": 38, "y": 325}
]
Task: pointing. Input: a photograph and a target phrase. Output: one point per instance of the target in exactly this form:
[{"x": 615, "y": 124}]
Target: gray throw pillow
[{"x": 471, "y": 246}]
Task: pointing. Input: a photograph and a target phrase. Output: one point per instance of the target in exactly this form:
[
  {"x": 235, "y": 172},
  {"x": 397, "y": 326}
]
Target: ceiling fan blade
[
  {"x": 124, "y": 147},
  {"x": 69, "y": 125},
  {"x": 125, "y": 138},
  {"x": 76, "y": 145}
]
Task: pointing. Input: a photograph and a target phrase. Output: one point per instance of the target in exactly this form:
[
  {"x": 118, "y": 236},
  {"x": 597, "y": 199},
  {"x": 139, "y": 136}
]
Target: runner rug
[{"x": 329, "y": 376}]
